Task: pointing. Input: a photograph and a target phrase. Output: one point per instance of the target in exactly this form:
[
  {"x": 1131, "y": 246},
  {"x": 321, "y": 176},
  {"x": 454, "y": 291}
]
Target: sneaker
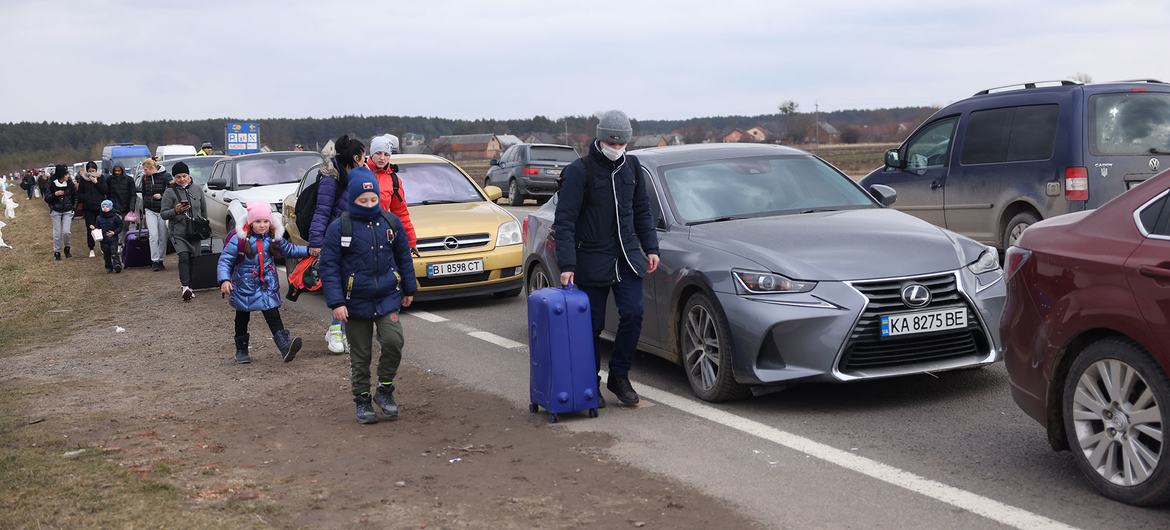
[
  {"x": 621, "y": 387},
  {"x": 154, "y": 266},
  {"x": 91, "y": 253},
  {"x": 188, "y": 294},
  {"x": 67, "y": 253},
  {"x": 56, "y": 256},
  {"x": 335, "y": 339},
  {"x": 385, "y": 399},
  {"x": 365, "y": 409},
  {"x": 117, "y": 269}
]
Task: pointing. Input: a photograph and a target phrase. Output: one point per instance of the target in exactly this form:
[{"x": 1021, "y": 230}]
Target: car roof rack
[
  {"x": 1160, "y": 82},
  {"x": 1025, "y": 86}
]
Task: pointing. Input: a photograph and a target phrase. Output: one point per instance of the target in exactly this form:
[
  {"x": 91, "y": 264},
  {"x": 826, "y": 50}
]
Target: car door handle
[
  {"x": 934, "y": 185},
  {"x": 1159, "y": 272}
]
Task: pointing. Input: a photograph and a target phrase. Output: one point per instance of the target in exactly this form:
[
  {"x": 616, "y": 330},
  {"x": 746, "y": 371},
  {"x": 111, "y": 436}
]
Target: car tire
[
  {"x": 1116, "y": 427},
  {"x": 515, "y": 198},
  {"x": 538, "y": 278},
  {"x": 1015, "y": 227},
  {"x": 707, "y": 365}
]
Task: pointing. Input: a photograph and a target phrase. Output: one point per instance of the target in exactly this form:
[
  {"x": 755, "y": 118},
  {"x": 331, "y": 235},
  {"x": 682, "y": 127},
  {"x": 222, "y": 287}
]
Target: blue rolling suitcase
[{"x": 560, "y": 342}]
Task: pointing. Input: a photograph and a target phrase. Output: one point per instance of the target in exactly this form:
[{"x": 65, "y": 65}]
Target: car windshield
[
  {"x": 553, "y": 154},
  {"x": 200, "y": 168},
  {"x": 273, "y": 169},
  {"x": 757, "y": 187},
  {"x": 1130, "y": 123},
  {"x": 128, "y": 163},
  {"x": 436, "y": 184}
]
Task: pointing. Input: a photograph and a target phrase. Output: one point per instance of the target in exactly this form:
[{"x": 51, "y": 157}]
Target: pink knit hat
[{"x": 258, "y": 211}]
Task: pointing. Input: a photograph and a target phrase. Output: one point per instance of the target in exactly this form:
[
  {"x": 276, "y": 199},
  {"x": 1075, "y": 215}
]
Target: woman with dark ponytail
[{"x": 332, "y": 199}]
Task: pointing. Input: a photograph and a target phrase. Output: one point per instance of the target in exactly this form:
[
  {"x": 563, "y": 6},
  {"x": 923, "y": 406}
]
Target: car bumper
[
  {"x": 812, "y": 337},
  {"x": 502, "y": 273}
]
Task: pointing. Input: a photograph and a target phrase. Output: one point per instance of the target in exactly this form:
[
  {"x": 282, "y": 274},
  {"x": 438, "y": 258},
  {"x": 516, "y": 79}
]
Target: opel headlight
[
  {"x": 751, "y": 282},
  {"x": 988, "y": 261},
  {"x": 509, "y": 234}
]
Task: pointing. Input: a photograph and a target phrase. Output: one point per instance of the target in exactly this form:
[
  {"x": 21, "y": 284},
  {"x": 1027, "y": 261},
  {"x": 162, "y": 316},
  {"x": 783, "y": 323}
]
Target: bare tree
[{"x": 788, "y": 107}]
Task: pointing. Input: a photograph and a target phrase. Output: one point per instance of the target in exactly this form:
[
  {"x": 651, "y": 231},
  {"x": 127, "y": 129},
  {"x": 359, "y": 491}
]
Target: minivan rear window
[
  {"x": 1129, "y": 123},
  {"x": 1012, "y": 134}
]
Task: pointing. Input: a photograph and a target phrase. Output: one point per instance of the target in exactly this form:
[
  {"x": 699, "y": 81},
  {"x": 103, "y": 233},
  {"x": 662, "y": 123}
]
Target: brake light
[
  {"x": 1076, "y": 183},
  {"x": 524, "y": 229},
  {"x": 531, "y": 171},
  {"x": 1015, "y": 259}
]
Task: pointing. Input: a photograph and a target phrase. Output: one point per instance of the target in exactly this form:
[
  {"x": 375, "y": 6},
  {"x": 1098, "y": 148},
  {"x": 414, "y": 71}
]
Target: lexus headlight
[
  {"x": 750, "y": 282},
  {"x": 988, "y": 261},
  {"x": 509, "y": 234}
]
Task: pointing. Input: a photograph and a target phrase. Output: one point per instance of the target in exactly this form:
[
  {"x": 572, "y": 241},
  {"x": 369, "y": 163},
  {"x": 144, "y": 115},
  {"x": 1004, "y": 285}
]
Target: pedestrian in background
[
  {"x": 393, "y": 197},
  {"x": 181, "y": 204},
  {"x": 29, "y": 183},
  {"x": 120, "y": 190},
  {"x": 154, "y": 182},
  {"x": 349, "y": 153},
  {"x": 110, "y": 224},
  {"x": 91, "y": 191},
  {"x": 61, "y": 195},
  {"x": 378, "y": 254},
  {"x": 606, "y": 241},
  {"x": 247, "y": 272}
]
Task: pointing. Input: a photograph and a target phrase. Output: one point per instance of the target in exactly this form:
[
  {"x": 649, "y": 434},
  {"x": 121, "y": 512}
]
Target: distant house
[
  {"x": 735, "y": 136},
  {"x": 647, "y": 141},
  {"x": 508, "y": 140},
  {"x": 542, "y": 138},
  {"x": 827, "y": 134},
  {"x": 468, "y": 146},
  {"x": 758, "y": 134},
  {"x": 413, "y": 140}
]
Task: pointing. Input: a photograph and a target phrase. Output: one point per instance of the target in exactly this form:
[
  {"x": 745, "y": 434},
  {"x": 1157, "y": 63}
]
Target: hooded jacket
[
  {"x": 331, "y": 201},
  {"x": 156, "y": 183},
  {"x": 64, "y": 203},
  {"x": 392, "y": 202},
  {"x": 603, "y": 231},
  {"x": 255, "y": 284},
  {"x": 179, "y": 224},
  {"x": 120, "y": 190}
]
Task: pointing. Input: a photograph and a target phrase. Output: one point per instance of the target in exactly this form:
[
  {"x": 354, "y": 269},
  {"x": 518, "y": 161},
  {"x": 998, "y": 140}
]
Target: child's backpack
[{"x": 305, "y": 277}]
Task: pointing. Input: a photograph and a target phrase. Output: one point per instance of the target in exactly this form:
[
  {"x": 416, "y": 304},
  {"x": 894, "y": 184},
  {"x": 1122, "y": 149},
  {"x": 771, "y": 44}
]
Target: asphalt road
[{"x": 912, "y": 452}]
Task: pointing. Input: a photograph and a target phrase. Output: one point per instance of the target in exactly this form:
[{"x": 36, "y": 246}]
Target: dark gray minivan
[{"x": 991, "y": 165}]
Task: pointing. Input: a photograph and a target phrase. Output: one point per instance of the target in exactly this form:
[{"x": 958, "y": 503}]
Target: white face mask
[{"x": 612, "y": 153}]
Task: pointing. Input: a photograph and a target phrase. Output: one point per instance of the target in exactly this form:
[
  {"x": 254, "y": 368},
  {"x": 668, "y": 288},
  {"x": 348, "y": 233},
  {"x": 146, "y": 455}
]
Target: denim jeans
[{"x": 62, "y": 227}]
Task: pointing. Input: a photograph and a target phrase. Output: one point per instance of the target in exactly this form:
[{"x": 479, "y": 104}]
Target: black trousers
[
  {"x": 271, "y": 316},
  {"x": 185, "y": 260},
  {"x": 90, "y": 220},
  {"x": 110, "y": 252}
]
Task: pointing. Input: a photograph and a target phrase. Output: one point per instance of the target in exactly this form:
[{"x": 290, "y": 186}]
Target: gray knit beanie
[{"x": 614, "y": 126}]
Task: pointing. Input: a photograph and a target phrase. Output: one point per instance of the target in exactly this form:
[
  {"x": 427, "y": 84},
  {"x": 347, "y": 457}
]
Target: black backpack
[{"x": 307, "y": 202}]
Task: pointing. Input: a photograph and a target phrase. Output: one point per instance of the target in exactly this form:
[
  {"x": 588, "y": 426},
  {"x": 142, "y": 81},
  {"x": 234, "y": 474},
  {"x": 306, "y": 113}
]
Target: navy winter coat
[
  {"x": 332, "y": 199},
  {"x": 254, "y": 288},
  {"x": 600, "y": 231},
  {"x": 109, "y": 222},
  {"x": 374, "y": 273}
]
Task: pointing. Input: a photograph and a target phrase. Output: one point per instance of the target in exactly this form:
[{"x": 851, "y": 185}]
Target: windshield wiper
[
  {"x": 818, "y": 210},
  {"x": 716, "y": 220},
  {"x": 1156, "y": 151},
  {"x": 438, "y": 201}
]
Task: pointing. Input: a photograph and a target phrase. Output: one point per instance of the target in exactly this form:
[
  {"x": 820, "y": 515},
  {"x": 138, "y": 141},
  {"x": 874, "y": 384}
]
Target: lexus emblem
[
  {"x": 1154, "y": 164},
  {"x": 915, "y": 295},
  {"x": 451, "y": 243}
]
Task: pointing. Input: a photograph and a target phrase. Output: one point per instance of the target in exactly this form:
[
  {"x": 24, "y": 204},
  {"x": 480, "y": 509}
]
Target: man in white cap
[{"x": 606, "y": 241}]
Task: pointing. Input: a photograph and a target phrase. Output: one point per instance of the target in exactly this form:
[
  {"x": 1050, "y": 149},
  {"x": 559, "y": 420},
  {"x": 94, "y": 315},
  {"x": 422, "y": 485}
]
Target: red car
[{"x": 1087, "y": 338}]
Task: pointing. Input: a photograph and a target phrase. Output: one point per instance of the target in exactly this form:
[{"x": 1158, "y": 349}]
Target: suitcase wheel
[
  {"x": 592, "y": 413},
  {"x": 552, "y": 418},
  {"x": 533, "y": 408}
]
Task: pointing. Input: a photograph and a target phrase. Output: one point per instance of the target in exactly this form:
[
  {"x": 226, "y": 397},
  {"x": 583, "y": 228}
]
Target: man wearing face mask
[{"x": 606, "y": 241}]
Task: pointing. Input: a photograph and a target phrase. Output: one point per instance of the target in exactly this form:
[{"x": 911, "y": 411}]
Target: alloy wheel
[
  {"x": 1017, "y": 231},
  {"x": 1118, "y": 422},
  {"x": 537, "y": 279},
  {"x": 701, "y": 347}
]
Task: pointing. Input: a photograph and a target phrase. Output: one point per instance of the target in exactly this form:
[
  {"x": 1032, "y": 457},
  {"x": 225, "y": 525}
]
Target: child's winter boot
[
  {"x": 385, "y": 399},
  {"x": 365, "y": 409},
  {"x": 287, "y": 344},
  {"x": 242, "y": 349}
]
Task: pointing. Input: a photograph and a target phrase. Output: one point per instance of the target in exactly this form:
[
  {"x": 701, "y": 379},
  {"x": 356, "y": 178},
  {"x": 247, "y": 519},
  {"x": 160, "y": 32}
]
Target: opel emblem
[
  {"x": 915, "y": 295},
  {"x": 451, "y": 243},
  {"x": 1154, "y": 164}
]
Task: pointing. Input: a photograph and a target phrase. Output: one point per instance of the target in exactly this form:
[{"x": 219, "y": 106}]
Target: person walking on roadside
[
  {"x": 110, "y": 223},
  {"x": 393, "y": 195},
  {"x": 348, "y": 153},
  {"x": 247, "y": 272},
  {"x": 91, "y": 191},
  {"x": 181, "y": 205},
  {"x": 367, "y": 243},
  {"x": 606, "y": 241},
  {"x": 61, "y": 195},
  {"x": 121, "y": 191},
  {"x": 206, "y": 149},
  {"x": 154, "y": 182},
  {"x": 29, "y": 183}
]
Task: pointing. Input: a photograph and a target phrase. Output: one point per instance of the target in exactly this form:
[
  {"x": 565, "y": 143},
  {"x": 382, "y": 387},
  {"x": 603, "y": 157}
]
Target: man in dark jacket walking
[
  {"x": 606, "y": 241},
  {"x": 121, "y": 191},
  {"x": 91, "y": 191}
]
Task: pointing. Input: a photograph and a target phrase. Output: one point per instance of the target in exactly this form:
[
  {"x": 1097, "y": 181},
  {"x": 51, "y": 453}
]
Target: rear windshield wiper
[{"x": 716, "y": 220}]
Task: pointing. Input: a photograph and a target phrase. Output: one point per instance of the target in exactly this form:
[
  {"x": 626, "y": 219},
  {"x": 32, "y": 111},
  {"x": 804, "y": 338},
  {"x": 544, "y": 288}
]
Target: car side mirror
[
  {"x": 216, "y": 184},
  {"x": 494, "y": 162},
  {"x": 493, "y": 193},
  {"x": 894, "y": 159},
  {"x": 886, "y": 195}
]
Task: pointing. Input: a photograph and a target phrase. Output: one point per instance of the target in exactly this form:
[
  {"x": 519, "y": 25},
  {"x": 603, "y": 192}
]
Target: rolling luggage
[
  {"x": 136, "y": 250},
  {"x": 203, "y": 269},
  {"x": 560, "y": 342}
]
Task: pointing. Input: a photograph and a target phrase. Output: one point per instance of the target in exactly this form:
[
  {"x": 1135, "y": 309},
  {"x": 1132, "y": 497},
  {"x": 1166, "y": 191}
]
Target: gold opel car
[{"x": 469, "y": 246}]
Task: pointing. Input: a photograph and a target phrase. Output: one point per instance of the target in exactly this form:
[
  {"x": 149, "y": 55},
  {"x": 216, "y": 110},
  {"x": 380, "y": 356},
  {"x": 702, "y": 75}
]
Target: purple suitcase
[
  {"x": 136, "y": 251},
  {"x": 560, "y": 342}
]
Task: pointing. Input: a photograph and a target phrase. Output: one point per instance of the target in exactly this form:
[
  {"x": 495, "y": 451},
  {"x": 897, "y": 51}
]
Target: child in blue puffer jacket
[
  {"x": 368, "y": 275},
  {"x": 247, "y": 271}
]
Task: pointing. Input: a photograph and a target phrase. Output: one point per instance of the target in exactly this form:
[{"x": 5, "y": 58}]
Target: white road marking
[
  {"x": 496, "y": 339},
  {"x": 972, "y": 502},
  {"x": 429, "y": 317}
]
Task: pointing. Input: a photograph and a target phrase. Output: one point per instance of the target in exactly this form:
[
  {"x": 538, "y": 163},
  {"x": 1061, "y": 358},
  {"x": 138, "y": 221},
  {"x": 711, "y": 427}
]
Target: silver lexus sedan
[{"x": 777, "y": 268}]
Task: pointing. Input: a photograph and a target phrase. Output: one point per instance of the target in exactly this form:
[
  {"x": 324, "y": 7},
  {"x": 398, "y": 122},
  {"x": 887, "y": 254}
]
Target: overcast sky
[{"x": 133, "y": 60}]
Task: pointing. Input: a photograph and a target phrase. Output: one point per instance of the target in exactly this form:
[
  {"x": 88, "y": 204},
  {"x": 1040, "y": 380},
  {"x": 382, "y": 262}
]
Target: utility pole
[
  {"x": 817, "y": 118},
  {"x": 566, "y": 118}
]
